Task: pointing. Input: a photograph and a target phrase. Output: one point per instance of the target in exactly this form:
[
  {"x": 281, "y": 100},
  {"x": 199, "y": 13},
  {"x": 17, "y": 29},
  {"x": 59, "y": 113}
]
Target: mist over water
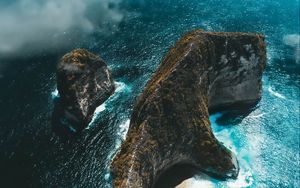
[
  {"x": 32, "y": 26},
  {"x": 132, "y": 36}
]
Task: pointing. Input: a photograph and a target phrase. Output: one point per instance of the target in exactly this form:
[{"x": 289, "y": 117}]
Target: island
[{"x": 202, "y": 72}]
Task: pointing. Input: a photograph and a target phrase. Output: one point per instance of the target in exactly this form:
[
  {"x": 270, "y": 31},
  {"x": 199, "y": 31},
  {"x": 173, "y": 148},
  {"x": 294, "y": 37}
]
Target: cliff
[
  {"x": 83, "y": 82},
  {"x": 170, "y": 121}
]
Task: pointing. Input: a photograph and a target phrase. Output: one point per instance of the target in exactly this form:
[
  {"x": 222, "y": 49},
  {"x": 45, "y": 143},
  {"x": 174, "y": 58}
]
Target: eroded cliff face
[
  {"x": 170, "y": 121},
  {"x": 83, "y": 82},
  {"x": 235, "y": 75}
]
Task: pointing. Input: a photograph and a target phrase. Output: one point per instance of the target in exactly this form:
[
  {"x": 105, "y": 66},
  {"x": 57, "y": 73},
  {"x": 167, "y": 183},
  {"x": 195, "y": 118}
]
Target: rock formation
[
  {"x": 170, "y": 122},
  {"x": 83, "y": 82}
]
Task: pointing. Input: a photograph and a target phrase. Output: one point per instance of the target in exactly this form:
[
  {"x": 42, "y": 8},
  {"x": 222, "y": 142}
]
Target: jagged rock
[
  {"x": 170, "y": 122},
  {"x": 83, "y": 82}
]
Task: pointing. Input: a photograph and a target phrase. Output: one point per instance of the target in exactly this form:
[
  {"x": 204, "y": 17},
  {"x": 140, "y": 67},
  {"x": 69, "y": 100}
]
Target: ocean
[{"x": 266, "y": 138}]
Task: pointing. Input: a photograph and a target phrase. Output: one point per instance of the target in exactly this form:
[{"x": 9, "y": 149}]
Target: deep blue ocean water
[{"x": 266, "y": 139}]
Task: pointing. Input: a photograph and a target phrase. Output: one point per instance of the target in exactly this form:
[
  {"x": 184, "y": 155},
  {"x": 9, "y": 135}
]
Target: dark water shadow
[
  {"x": 234, "y": 114},
  {"x": 175, "y": 175},
  {"x": 178, "y": 173},
  {"x": 61, "y": 126}
]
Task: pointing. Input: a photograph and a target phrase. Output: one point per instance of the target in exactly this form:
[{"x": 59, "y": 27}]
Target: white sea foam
[
  {"x": 124, "y": 129},
  {"x": 197, "y": 182},
  {"x": 276, "y": 94},
  {"x": 227, "y": 135},
  {"x": 106, "y": 177},
  {"x": 257, "y": 115},
  {"x": 121, "y": 134},
  {"x": 54, "y": 94},
  {"x": 245, "y": 179},
  {"x": 98, "y": 110},
  {"x": 120, "y": 87}
]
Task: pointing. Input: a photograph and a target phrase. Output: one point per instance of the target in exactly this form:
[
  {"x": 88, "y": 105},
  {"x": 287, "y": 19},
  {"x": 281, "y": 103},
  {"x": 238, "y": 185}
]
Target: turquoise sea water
[{"x": 266, "y": 139}]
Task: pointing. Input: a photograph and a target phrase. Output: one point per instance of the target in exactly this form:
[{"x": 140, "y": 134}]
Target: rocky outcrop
[
  {"x": 83, "y": 82},
  {"x": 170, "y": 122}
]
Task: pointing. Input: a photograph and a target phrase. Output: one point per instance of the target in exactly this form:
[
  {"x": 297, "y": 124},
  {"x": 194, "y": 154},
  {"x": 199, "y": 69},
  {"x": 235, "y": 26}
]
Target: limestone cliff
[
  {"x": 170, "y": 121},
  {"x": 83, "y": 82}
]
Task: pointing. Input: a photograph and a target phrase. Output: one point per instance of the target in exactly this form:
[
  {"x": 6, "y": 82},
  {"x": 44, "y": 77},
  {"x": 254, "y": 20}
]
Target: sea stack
[
  {"x": 83, "y": 82},
  {"x": 170, "y": 121}
]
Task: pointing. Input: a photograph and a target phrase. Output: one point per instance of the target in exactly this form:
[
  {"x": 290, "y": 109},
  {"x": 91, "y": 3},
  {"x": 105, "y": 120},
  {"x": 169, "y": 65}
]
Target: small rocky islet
[
  {"x": 202, "y": 72},
  {"x": 83, "y": 82}
]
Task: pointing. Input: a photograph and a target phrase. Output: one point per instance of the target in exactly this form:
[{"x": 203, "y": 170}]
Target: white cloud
[{"x": 29, "y": 25}]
